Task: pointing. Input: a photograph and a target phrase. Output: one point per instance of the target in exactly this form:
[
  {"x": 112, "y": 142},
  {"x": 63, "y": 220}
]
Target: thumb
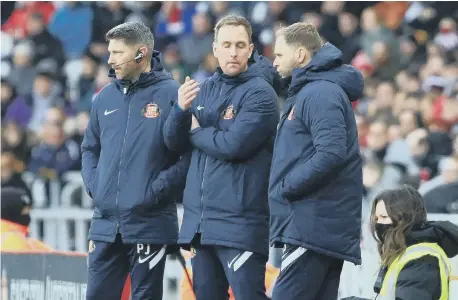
[{"x": 187, "y": 79}]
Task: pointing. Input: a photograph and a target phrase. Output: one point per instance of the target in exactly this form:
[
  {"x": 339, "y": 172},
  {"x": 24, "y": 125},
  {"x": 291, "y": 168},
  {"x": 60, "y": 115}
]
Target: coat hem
[{"x": 294, "y": 242}]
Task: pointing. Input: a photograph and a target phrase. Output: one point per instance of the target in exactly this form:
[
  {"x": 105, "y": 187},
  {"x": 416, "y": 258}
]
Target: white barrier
[{"x": 65, "y": 227}]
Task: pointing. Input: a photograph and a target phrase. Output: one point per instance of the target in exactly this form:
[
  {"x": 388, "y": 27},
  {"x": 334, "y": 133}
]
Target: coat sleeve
[
  {"x": 253, "y": 124},
  {"x": 419, "y": 280},
  {"x": 176, "y": 129},
  {"x": 324, "y": 113},
  {"x": 90, "y": 149},
  {"x": 171, "y": 182}
]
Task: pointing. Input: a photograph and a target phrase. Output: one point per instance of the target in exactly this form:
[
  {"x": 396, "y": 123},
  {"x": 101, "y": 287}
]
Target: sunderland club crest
[
  {"x": 151, "y": 110},
  {"x": 229, "y": 113}
]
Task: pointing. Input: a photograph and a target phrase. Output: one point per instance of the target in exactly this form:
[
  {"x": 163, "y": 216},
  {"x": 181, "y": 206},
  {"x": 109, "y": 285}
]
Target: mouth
[{"x": 233, "y": 63}]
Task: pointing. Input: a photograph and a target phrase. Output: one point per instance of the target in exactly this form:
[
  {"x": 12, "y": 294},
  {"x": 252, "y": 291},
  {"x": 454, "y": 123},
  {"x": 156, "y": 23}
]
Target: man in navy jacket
[
  {"x": 129, "y": 171},
  {"x": 232, "y": 117},
  {"x": 315, "y": 186}
]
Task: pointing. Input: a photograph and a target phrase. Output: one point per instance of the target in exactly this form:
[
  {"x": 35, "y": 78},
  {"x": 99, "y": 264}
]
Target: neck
[
  {"x": 306, "y": 62},
  {"x": 143, "y": 69}
]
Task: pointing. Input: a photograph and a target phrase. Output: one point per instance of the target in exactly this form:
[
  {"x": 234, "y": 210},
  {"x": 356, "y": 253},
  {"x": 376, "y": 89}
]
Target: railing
[{"x": 62, "y": 220}]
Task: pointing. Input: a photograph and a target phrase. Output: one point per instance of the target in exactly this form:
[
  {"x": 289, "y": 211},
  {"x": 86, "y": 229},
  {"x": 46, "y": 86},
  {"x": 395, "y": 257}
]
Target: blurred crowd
[{"x": 54, "y": 61}]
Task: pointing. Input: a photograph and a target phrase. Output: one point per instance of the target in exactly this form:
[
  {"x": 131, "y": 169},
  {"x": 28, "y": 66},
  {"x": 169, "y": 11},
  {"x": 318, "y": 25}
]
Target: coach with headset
[{"x": 129, "y": 172}]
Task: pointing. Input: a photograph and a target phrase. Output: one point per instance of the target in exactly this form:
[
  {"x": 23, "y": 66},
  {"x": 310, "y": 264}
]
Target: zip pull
[{"x": 125, "y": 90}]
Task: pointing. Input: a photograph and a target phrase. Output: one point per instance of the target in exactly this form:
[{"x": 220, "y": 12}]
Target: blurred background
[{"x": 54, "y": 61}]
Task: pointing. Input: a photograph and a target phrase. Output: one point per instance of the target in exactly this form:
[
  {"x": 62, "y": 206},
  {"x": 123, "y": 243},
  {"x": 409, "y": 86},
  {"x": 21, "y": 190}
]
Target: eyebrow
[{"x": 234, "y": 42}]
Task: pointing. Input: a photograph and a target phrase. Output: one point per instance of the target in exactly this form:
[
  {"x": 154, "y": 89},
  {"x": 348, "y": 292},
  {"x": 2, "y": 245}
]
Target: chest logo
[
  {"x": 229, "y": 113},
  {"x": 291, "y": 114},
  {"x": 151, "y": 110}
]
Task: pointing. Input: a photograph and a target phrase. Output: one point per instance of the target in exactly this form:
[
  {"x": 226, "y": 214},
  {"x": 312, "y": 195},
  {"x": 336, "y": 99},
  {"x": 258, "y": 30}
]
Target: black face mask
[
  {"x": 381, "y": 229},
  {"x": 24, "y": 220}
]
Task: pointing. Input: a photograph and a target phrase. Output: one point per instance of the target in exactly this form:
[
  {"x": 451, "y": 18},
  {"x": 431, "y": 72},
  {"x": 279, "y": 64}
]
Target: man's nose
[
  {"x": 233, "y": 52},
  {"x": 110, "y": 60}
]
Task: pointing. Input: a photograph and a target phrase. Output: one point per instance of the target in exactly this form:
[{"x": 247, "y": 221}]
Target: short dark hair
[
  {"x": 302, "y": 34},
  {"x": 132, "y": 33},
  {"x": 406, "y": 209},
  {"x": 234, "y": 20}
]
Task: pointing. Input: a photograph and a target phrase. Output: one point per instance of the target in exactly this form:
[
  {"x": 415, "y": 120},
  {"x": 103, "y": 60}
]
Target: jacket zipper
[
  {"x": 126, "y": 92},
  {"x": 199, "y": 227},
  {"x": 280, "y": 125}
]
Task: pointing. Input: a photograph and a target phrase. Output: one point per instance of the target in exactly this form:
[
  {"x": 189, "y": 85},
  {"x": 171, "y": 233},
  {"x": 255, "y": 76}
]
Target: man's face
[
  {"x": 384, "y": 95},
  {"x": 377, "y": 138},
  {"x": 119, "y": 54},
  {"x": 285, "y": 60},
  {"x": 232, "y": 49},
  {"x": 34, "y": 26},
  {"x": 6, "y": 92},
  {"x": 200, "y": 24},
  {"x": 43, "y": 86},
  {"x": 7, "y": 161},
  {"x": 408, "y": 122}
]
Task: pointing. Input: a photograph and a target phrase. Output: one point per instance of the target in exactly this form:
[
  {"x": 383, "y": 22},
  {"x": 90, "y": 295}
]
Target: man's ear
[
  {"x": 214, "y": 49},
  {"x": 301, "y": 55},
  {"x": 251, "y": 49}
]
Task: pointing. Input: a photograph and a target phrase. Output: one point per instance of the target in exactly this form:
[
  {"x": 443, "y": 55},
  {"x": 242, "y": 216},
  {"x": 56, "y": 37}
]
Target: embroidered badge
[
  {"x": 151, "y": 110},
  {"x": 229, "y": 113}
]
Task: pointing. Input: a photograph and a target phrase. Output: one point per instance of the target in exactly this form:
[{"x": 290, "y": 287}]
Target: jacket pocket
[
  {"x": 223, "y": 187},
  {"x": 93, "y": 188},
  {"x": 150, "y": 201}
]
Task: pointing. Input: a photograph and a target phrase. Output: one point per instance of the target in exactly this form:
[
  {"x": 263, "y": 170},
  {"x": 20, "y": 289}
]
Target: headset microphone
[{"x": 137, "y": 58}]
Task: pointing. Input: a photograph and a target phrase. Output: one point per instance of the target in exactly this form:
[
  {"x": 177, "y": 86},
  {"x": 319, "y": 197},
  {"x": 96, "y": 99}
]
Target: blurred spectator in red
[
  {"x": 17, "y": 22},
  {"x": 173, "y": 20}
]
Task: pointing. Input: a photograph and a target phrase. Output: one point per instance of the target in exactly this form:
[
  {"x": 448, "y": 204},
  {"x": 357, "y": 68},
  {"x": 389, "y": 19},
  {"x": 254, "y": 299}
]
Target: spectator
[
  {"x": 377, "y": 141},
  {"x": 106, "y": 16},
  {"x": 448, "y": 173},
  {"x": 380, "y": 45},
  {"x": 206, "y": 68},
  {"x": 348, "y": 26},
  {"x": 17, "y": 22},
  {"x": 16, "y": 140},
  {"x": 200, "y": 41},
  {"x": 86, "y": 82},
  {"x": 173, "y": 62},
  {"x": 11, "y": 173},
  {"x": 447, "y": 38},
  {"x": 56, "y": 154},
  {"x": 174, "y": 20},
  {"x": 11, "y": 102},
  {"x": 420, "y": 150},
  {"x": 147, "y": 13},
  {"x": 15, "y": 219},
  {"x": 23, "y": 73},
  {"x": 45, "y": 44},
  {"x": 72, "y": 26},
  {"x": 44, "y": 96}
]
